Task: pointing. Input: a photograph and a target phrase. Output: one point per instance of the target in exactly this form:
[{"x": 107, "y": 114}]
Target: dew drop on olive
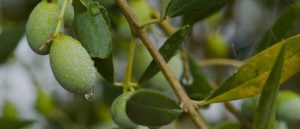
[
  {"x": 71, "y": 65},
  {"x": 41, "y": 25}
]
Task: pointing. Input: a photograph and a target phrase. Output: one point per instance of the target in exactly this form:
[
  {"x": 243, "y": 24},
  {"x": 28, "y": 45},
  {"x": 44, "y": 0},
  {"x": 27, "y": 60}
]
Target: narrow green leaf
[
  {"x": 164, "y": 4},
  {"x": 196, "y": 86},
  {"x": 265, "y": 112},
  {"x": 250, "y": 78},
  {"x": 280, "y": 28},
  {"x": 195, "y": 10},
  {"x": 168, "y": 50},
  {"x": 14, "y": 123},
  {"x": 106, "y": 68},
  {"x": 93, "y": 31},
  {"x": 9, "y": 40},
  {"x": 151, "y": 108}
]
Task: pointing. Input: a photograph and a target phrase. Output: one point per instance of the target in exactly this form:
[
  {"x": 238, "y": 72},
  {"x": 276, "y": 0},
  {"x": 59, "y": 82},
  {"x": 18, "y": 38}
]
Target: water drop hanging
[{"x": 90, "y": 96}]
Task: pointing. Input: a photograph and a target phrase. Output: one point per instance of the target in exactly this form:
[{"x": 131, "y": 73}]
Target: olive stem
[
  {"x": 57, "y": 29},
  {"x": 60, "y": 18},
  {"x": 147, "y": 23},
  {"x": 185, "y": 101},
  {"x": 219, "y": 61},
  {"x": 169, "y": 30},
  {"x": 127, "y": 81}
]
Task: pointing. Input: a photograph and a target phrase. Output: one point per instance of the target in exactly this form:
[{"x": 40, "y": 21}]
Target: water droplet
[
  {"x": 187, "y": 80},
  {"x": 90, "y": 96}
]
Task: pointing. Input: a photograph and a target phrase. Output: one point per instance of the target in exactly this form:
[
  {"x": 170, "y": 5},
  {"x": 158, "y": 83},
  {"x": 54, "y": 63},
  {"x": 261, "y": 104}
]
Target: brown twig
[
  {"x": 237, "y": 114},
  {"x": 229, "y": 62},
  {"x": 186, "y": 103}
]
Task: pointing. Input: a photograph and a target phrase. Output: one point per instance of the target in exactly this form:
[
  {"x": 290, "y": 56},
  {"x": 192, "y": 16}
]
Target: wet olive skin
[
  {"x": 41, "y": 26},
  {"x": 71, "y": 65}
]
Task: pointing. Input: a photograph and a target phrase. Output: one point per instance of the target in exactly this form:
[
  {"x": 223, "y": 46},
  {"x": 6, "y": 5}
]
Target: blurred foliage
[{"x": 227, "y": 31}]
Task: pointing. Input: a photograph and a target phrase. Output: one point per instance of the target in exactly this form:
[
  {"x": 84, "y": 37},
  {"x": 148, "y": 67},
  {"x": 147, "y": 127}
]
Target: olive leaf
[
  {"x": 164, "y": 4},
  {"x": 250, "y": 78},
  {"x": 194, "y": 10},
  {"x": 168, "y": 50},
  {"x": 265, "y": 112},
  {"x": 14, "y": 123},
  {"x": 93, "y": 31},
  {"x": 196, "y": 85},
  {"x": 9, "y": 40},
  {"x": 280, "y": 28},
  {"x": 106, "y": 68},
  {"x": 151, "y": 108}
]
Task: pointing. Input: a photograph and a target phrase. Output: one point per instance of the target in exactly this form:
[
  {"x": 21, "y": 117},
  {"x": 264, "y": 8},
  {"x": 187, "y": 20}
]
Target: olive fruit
[
  {"x": 141, "y": 9},
  {"x": 69, "y": 12},
  {"x": 229, "y": 125},
  {"x": 249, "y": 106},
  {"x": 44, "y": 103},
  {"x": 281, "y": 125},
  {"x": 71, "y": 65},
  {"x": 216, "y": 45},
  {"x": 118, "y": 111},
  {"x": 9, "y": 110},
  {"x": 288, "y": 106},
  {"x": 41, "y": 25}
]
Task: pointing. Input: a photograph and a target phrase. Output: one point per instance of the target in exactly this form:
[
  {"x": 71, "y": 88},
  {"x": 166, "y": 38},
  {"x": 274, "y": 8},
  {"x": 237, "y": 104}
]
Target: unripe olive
[
  {"x": 249, "y": 106},
  {"x": 44, "y": 103},
  {"x": 229, "y": 125},
  {"x": 71, "y": 65},
  {"x": 69, "y": 12},
  {"x": 281, "y": 125},
  {"x": 9, "y": 110},
  {"x": 288, "y": 106},
  {"x": 141, "y": 9},
  {"x": 118, "y": 111},
  {"x": 41, "y": 25},
  {"x": 216, "y": 45}
]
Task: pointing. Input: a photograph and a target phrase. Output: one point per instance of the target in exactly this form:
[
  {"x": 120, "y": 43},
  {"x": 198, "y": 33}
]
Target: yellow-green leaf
[
  {"x": 265, "y": 112},
  {"x": 250, "y": 78}
]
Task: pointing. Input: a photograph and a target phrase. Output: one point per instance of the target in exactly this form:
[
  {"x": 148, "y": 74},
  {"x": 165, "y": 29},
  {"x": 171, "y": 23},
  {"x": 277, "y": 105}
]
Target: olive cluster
[{"x": 70, "y": 62}]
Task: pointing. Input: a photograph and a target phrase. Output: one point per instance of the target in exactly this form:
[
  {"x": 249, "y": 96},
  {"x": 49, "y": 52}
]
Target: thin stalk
[
  {"x": 229, "y": 62},
  {"x": 147, "y": 23},
  {"x": 57, "y": 29},
  {"x": 186, "y": 102},
  {"x": 128, "y": 74},
  {"x": 60, "y": 18}
]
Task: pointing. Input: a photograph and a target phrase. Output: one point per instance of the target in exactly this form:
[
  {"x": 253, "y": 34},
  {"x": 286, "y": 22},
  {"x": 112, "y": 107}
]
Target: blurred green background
[{"x": 29, "y": 94}]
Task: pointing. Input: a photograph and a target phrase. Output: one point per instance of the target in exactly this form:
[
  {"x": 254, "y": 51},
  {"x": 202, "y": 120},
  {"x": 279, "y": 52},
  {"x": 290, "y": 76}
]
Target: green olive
[
  {"x": 41, "y": 25},
  {"x": 229, "y": 125},
  {"x": 69, "y": 12},
  {"x": 141, "y": 9},
  {"x": 9, "y": 110},
  {"x": 118, "y": 111},
  {"x": 44, "y": 103},
  {"x": 288, "y": 106},
  {"x": 249, "y": 106},
  {"x": 71, "y": 65},
  {"x": 281, "y": 125},
  {"x": 216, "y": 45}
]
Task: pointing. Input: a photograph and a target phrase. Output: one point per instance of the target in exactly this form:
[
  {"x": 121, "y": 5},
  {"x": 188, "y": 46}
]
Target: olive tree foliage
[{"x": 155, "y": 64}]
